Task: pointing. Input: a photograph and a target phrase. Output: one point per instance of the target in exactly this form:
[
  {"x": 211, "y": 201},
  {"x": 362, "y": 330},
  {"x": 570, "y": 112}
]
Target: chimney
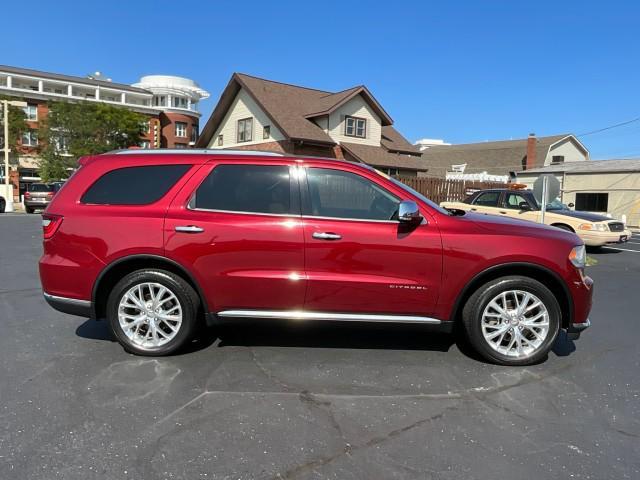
[{"x": 531, "y": 151}]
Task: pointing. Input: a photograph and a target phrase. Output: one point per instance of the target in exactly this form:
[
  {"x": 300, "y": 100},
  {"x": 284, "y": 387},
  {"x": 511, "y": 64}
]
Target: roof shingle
[{"x": 497, "y": 158}]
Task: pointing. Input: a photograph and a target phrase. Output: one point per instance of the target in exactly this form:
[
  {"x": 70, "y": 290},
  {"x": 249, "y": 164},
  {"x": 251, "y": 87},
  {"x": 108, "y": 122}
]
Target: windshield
[{"x": 557, "y": 205}]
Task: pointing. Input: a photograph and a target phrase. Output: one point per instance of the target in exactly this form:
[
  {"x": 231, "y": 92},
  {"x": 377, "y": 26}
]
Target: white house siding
[
  {"x": 623, "y": 189},
  {"x": 567, "y": 148},
  {"x": 322, "y": 122},
  {"x": 356, "y": 107},
  {"x": 244, "y": 106}
]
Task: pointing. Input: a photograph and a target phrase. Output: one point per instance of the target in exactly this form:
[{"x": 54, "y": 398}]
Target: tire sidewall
[
  {"x": 177, "y": 286},
  {"x": 478, "y": 302}
]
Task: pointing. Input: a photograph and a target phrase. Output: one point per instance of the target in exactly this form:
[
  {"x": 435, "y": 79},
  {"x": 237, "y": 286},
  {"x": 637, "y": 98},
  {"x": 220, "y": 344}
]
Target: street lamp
[{"x": 7, "y": 185}]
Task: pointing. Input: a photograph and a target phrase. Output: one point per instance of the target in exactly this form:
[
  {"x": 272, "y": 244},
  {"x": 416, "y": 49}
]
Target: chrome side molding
[{"x": 329, "y": 316}]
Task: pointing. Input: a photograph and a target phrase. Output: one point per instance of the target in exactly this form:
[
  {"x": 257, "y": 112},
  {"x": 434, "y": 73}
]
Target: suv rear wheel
[
  {"x": 512, "y": 320},
  {"x": 152, "y": 312}
]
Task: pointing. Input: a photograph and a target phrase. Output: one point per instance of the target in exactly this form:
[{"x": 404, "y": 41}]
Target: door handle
[
  {"x": 503, "y": 212},
  {"x": 473, "y": 209},
  {"x": 189, "y": 229},
  {"x": 326, "y": 236}
]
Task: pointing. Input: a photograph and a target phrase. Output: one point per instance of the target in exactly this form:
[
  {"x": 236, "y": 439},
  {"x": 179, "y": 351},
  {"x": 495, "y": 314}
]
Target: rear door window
[
  {"x": 246, "y": 189},
  {"x": 134, "y": 185},
  {"x": 487, "y": 199}
]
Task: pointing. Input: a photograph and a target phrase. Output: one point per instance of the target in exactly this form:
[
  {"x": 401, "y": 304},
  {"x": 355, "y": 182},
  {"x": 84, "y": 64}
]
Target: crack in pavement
[
  {"x": 267, "y": 373},
  {"x": 292, "y": 473}
]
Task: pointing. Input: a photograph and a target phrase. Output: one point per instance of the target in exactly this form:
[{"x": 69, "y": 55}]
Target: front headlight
[
  {"x": 578, "y": 256},
  {"x": 594, "y": 227}
]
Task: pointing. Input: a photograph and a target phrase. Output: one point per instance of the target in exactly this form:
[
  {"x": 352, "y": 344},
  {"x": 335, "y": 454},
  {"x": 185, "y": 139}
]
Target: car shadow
[
  {"x": 603, "y": 251},
  {"x": 564, "y": 346},
  {"x": 256, "y": 333},
  {"x": 372, "y": 336},
  {"x": 95, "y": 330},
  {"x": 99, "y": 330}
]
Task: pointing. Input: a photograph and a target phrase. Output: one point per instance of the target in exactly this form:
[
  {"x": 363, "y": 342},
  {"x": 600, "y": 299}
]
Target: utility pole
[{"x": 7, "y": 183}]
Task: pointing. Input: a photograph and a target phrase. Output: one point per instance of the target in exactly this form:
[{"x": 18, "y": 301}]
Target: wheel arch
[
  {"x": 538, "y": 272},
  {"x": 113, "y": 272},
  {"x": 564, "y": 226}
]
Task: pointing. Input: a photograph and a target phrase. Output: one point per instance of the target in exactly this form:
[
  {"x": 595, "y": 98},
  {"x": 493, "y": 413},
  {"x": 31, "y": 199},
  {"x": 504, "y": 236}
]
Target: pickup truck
[{"x": 595, "y": 230}]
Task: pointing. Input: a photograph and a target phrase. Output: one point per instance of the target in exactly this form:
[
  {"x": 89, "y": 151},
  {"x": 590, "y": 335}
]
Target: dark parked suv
[{"x": 159, "y": 241}]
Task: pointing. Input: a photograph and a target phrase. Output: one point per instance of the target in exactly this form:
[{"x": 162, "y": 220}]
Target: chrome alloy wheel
[
  {"x": 515, "y": 323},
  {"x": 150, "y": 315}
]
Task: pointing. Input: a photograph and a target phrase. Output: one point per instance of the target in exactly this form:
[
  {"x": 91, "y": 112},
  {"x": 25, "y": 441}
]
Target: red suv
[{"x": 158, "y": 241}]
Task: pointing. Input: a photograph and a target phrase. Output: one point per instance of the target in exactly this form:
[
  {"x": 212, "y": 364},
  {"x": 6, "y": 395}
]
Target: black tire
[
  {"x": 3, "y": 205},
  {"x": 476, "y": 304},
  {"x": 186, "y": 296},
  {"x": 562, "y": 226},
  {"x": 30, "y": 209}
]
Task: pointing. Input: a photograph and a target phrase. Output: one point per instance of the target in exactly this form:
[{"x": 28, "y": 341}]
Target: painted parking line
[{"x": 623, "y": 249}]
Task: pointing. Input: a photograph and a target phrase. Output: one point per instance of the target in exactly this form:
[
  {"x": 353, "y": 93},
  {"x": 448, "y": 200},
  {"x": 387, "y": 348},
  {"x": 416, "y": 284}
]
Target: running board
[{"x": 338, "y": 317}]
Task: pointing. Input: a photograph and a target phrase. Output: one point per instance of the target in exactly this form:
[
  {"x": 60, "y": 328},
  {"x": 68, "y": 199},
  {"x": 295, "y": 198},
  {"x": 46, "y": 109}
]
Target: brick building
[{"x": 170, "y": 103}]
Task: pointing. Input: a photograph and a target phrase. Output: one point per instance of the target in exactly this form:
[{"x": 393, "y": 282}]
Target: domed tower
[{"x": 177, "y": 99}]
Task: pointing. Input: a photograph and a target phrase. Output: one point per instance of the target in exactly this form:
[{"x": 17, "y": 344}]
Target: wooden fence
[{"x": 442, "y": 190}]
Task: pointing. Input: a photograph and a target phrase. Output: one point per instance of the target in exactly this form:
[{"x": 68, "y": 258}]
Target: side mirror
[
  {"x": 408, "y": 212},
  {"x": 524, "y": 206},
  {"x": 571, "y": 205}
]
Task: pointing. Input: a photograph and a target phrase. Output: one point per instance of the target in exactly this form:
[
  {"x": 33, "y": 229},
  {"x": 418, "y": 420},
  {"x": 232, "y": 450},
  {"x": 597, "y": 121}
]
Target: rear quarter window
[{"x": 134, "y": 185}]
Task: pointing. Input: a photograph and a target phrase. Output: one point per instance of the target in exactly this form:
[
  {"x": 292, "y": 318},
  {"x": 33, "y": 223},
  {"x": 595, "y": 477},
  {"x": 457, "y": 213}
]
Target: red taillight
[
  {"x": 27, "y": 194},
  {"x": 49, "y": 194},
  {"x": 50, "y": 224}
]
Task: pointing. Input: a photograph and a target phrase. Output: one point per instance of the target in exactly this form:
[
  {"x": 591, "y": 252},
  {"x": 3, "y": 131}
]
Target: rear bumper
[
  {"x": 575, "y": 329},
  {"x": 36, "y": 204},
  {"x": 72, "y": 306}
]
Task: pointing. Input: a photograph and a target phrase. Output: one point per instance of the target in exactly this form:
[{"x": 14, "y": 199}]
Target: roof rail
[{"x": 192, "y": 151}]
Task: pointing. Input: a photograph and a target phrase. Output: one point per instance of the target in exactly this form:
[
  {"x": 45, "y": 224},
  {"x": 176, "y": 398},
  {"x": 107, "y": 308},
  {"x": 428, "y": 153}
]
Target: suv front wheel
[
  {"x": 152, "y": 312},
  {"x": 512, "y": 320}
]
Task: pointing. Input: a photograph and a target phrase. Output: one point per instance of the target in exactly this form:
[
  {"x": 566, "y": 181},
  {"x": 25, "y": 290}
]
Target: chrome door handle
[
  {"x": 189, "y": 229},
  {"x": 503, "y": 212},
  {"x": 326, "y": 236}
]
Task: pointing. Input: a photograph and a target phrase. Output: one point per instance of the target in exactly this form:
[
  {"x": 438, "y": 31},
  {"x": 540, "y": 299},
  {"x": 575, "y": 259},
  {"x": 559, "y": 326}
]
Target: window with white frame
[
  {"x": 245, "y": 130},
  {"x": 220, "y": 140},
  {"x": 194, "y": 133},
  {"x": 62, "y": 145},
  {"x": 355, "y": 127},
  {"x": 145, "y": 144},
  {"x": 180, "y": 102},
  {"x": 31, "y": 113},
  {"x": 181, "y": 129},
  {"x": 30, "y": 138}
]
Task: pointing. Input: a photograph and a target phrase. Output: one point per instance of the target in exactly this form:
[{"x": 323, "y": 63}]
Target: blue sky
[{"x": 464, "y": 71}]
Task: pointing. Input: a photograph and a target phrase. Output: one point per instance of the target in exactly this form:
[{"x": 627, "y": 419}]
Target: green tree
[
  {"x": 17, "y": 123},
  {"x": 73, "y": 130}
]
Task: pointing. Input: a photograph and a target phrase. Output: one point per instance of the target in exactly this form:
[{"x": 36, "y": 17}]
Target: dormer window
[
  {"x": 557, "y": 159},
  {"x": 355, "y": 127}
]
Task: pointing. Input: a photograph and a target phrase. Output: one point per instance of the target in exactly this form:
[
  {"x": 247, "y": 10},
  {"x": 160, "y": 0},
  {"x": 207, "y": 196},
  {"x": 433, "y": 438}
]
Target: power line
[{"x": 609, "y": 127}]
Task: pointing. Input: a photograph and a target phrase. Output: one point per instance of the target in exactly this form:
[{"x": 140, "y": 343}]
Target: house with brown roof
[
  {"x": 498, "y": 159},
  {"x": 258, "y": 114}
]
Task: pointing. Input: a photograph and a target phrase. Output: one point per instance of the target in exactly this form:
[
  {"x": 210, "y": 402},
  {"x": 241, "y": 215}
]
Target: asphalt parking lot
[{"x": 311, "y": 401}]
